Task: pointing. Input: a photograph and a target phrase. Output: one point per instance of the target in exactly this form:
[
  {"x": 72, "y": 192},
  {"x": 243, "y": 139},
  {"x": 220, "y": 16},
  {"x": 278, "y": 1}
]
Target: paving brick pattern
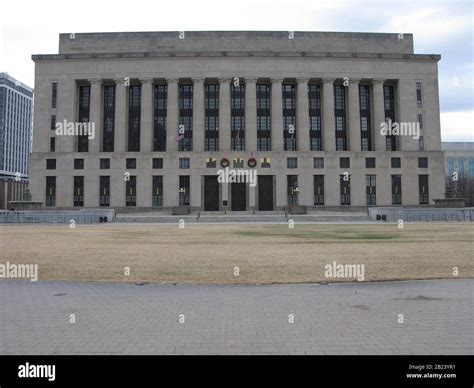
[{"x": 355, "y": 318}]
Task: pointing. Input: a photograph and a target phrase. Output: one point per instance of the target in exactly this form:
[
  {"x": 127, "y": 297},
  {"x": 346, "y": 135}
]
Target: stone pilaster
[
  {"x": 276, "y": 106},
  {"x": 329, "y": 126},
  {"x": 198, "y": 115},
  {"x": 302, "y": 115},
  {"x": 121, "y": 108},
  {"x": 172, "y": 114},
  {"x": 96, "y": 114},
  {"x": 224, "y": 114},
  {"x": 354, "y": 116},
  {"x": 251, "y": 114},
  {"x": 146, "y": 119},
  {"x": 66, "y": 111},
  {"x": 379, "y": 114}
]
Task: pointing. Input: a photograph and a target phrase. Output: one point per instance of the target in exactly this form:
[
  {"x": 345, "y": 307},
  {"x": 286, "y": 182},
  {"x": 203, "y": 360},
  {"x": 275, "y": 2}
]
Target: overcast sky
[{"x": 439, "y": 26}]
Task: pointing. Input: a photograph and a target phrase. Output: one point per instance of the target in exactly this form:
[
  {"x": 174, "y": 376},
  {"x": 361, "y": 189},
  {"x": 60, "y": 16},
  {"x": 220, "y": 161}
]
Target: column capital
[
  {"x": 250, "y": 79},
  {"x": 95, "y": 81},
  {"x": 276, "y": 80},
  {"x": 119, "y": 81},
  {"x": 198, "y": 80},
  {"x": 325, "y": 80},
  {"x": 354, "y": 80},
  {"x": 146, "y": 80},
  {"x": 378, "y": 80},
  {"x": 302, "y": 80},
  {"x": 224, "y": 80},
  {"x": 172, "y": 80}
]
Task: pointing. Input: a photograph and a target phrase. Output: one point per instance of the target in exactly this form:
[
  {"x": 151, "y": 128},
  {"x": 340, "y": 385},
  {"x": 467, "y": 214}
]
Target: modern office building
[
  {"x": 459, "y": 158},
  {"x": 168, "y": 112},
  {"x": 16, "y": 110}
]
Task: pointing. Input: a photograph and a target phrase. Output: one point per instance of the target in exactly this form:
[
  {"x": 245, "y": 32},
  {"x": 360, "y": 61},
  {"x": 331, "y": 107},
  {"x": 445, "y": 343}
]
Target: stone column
[
  {"x": 329, "y": 125},
  {"x": 95, "y": 144},
  {"x": 379, "y": 114},
  {"x": 407, "y": 111},
  {"x": 146, "y": 113},
  {"x": 198, "y": 115},
  {"x": 224, "y": 115},
  {"x": 302, "y": 115},
  {"x": 354, "y": 116},
  {"x": 121, "y": 108},
  {"x": 66, "y": 110},
  {"x": 251, "y": 114},
  {"x": 172, "y": 116},
  {"x": 276, "y": 109}
]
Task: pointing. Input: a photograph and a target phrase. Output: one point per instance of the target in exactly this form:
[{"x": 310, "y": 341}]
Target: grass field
[{"x": 263, "y": 253}]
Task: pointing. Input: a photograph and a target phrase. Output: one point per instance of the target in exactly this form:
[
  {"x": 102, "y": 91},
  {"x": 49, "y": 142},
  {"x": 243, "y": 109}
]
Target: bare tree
[{"x": 462, "y": 187}]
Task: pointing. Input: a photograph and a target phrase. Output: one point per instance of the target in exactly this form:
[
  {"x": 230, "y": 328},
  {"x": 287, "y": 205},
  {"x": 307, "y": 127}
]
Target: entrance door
[
  {"x": 211, "y": 193},
  {"x": 265, "y": 192},
  {"x": 238, "y": 195}
]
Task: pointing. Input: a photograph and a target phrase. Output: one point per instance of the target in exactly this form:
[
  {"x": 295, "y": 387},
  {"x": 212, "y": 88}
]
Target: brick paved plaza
[{"x": 355, "y": 318}]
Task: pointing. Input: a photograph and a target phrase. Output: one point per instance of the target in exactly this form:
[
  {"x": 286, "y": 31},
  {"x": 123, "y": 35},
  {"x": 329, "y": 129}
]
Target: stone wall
[
  {"x": 236, "y": 41},
  {"x": 83, "y": 216},
  {"x": 394, "y": 214}
]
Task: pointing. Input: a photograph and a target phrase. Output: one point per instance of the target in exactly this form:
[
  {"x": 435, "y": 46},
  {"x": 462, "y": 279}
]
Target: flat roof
[{"x": 457, "y": 146}]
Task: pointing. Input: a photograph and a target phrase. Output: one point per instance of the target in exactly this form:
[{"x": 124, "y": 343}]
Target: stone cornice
[{"x": 260, "y": 54}]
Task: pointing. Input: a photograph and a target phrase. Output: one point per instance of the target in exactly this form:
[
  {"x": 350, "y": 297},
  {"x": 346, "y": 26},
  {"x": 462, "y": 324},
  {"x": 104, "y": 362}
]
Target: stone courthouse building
[{"x": 169, "y": 111}]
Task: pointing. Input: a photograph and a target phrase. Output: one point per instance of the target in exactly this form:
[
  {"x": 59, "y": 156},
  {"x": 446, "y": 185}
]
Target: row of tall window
[
  {"x": 184, "y": 137},
  {"x": 463, "y": 167},
  {"x": 291, "y": 162},
  {"x": 184, "y": 190}
]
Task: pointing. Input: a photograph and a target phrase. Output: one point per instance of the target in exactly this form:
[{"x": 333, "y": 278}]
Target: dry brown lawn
[{"x": 263, "y": 253}]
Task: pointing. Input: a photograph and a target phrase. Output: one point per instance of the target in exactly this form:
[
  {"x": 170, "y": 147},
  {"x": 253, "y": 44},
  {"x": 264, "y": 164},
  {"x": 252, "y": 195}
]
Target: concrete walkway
[{"x": 356, "y": 318}]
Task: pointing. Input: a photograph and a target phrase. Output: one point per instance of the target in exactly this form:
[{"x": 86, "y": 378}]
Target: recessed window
[
  {"x": 318, "y": 162},
  {"x": 184, "y": 163},
  {"x": 265, "y": 163},
  {"x": 292, "y": 162},
  {"x": 54, "y": 94},
  {"x": 53, "y": 122},
  {"x": 78, "y": 164},
  {"x": 422, "y": 162},
  {"x": 420, "y": 120},
  {"x": 264, "y": 142},
  {"x": 345, "y": 162},
  {"x": 52, "y": 144},
  {"x": 157, "y": 163},
  {"x": 104, "y": 164},
  {"x": 131, "y": 163},
  {"x": 211, "y": 163},
  {"x": 369, "y": 162},
  {"x": 419, "y": 94},
  {"x": 396, "y": 162},
  {"x": 50, "y": 164},
  {"x": 421, "y": 144},
  {"x": 238, "y": 163}
]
